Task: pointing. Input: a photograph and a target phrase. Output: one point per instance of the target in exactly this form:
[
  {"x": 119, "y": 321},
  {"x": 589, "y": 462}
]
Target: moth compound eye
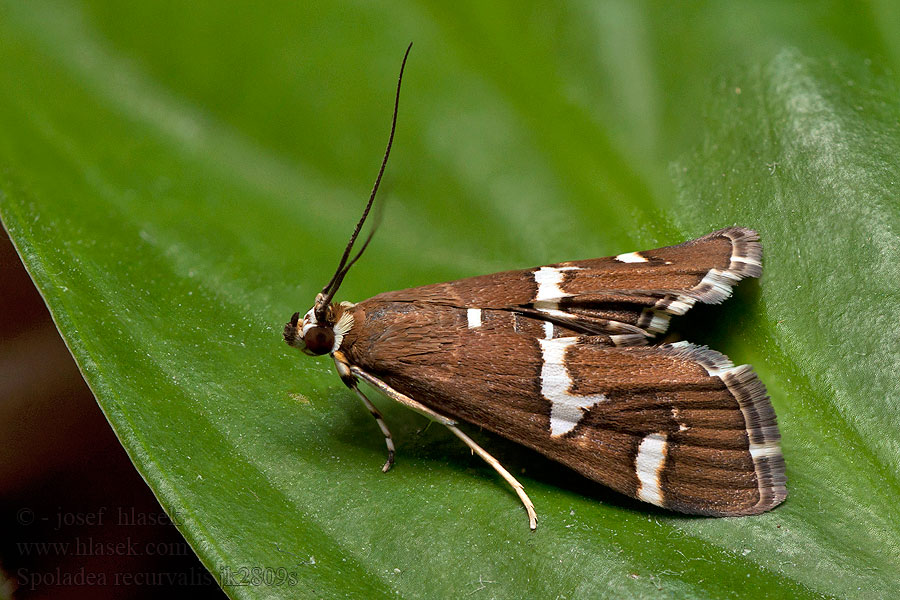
[{"x": 319, "y": 340}]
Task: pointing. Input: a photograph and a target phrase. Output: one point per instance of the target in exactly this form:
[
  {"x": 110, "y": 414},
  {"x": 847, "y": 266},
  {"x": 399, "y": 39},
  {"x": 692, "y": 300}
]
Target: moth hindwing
[{"x": 560, "y": 358}]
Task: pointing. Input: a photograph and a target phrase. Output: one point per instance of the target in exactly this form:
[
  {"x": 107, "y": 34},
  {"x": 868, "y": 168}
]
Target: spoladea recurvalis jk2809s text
[{"x": 557, "y": 358}]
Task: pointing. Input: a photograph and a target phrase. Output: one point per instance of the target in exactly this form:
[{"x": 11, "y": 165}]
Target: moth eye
[{"x": 319, "y": 340}]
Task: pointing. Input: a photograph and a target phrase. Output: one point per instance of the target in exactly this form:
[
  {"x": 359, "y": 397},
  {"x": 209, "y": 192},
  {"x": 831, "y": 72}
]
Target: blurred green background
[{"x": 179, "y": 177}]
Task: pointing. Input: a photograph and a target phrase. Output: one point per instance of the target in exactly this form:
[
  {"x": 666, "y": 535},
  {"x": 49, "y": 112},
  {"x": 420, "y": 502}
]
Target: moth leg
[
  {"x": 347, "y": 372},
  {"x": 518, "y": 487},
  {"x": 401, "y": 398},
  {"x": 388, "y": 439}
]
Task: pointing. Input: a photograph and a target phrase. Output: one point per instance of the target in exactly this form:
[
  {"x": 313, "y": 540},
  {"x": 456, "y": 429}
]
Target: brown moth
[{"x": 558, "y": 358}]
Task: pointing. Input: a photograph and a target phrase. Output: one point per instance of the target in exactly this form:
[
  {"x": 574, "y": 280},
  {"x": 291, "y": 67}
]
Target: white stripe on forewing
[
  {"x": 648, "y": 465},
  {"x": 473, "y": 315},
  {"x": 552, "y": 309},
  {"x": 566, "y": 409},
  {"x": 631, "y": 257},
  {"x": 548, "y": 330},
  {"x": 548, "y": 280}
]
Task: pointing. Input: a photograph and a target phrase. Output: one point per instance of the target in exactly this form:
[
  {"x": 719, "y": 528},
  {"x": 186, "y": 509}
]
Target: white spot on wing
[
  {"x": 631, "y": 257},
  {"x": 551, "y": 308},
  {"x": 548, "y": 330},
  {"x": 548, "y": 280},
  {"x": 720, "y": 282},
  {"x": 474, "y": 317},
  {"x": 659, "y": 321},
  {"x": 648, "y": 465},
  {"x": 566, "y": 409},
  {"x": 767, "y": 450},
  {"x": 680, "y": 305}
]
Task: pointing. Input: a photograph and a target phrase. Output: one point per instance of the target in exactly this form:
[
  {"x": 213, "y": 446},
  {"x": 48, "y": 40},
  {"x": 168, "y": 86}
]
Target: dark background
[{"x": 73, "y": 509}]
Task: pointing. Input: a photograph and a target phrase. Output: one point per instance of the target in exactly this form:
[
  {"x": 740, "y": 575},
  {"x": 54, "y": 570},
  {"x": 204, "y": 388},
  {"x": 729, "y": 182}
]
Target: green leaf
[{"x": 180, "y": 178}]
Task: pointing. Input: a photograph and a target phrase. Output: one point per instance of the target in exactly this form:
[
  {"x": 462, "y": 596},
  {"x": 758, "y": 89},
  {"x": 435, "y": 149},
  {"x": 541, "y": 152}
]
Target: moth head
[
  {"x": 323, "y": 327},
  {"x": 315, "y": 335},
  {"x": 310, "y": 336}
]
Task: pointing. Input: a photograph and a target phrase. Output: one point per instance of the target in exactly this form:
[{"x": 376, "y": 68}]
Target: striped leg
[
  {"x": 518, "y": 487},
  {"x": 388, "y": 439},
  {"x": 401, "y": 398},
  {"x": 348, "y": 371}
]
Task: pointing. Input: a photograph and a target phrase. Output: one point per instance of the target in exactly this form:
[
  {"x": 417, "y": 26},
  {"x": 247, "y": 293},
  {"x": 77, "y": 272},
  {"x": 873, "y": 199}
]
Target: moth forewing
[
  {"x": 675, "y": 425},
  {"x": 558, "y": 358}
]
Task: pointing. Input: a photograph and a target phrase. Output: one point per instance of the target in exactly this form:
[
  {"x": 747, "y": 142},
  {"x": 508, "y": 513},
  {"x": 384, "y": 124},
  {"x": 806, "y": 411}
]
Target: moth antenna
[
  {"x": 340, "y": 278},
  {"x": 330, "y": 290}
]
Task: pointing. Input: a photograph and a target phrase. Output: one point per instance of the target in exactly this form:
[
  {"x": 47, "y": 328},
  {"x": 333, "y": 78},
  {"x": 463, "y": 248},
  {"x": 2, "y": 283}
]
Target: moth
[{"x": 560, "y": 358}]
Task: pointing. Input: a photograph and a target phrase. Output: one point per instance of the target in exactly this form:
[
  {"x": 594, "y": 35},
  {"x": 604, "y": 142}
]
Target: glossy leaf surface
[{"x": 180, "y": 178}]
